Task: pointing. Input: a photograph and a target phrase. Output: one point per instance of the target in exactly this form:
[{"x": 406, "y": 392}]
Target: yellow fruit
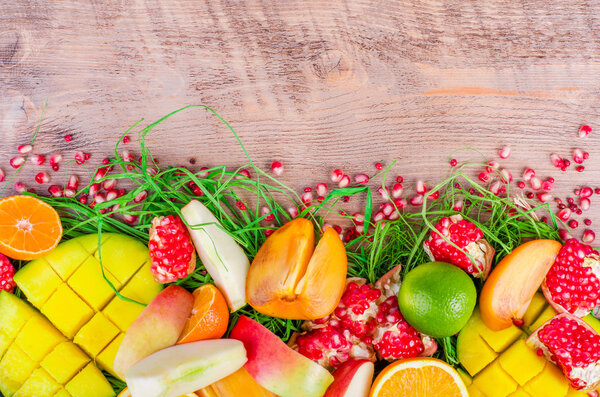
[
  {"x": 40, "y": 383},
  {"x": 501, "y": 364},
  {"x": 69, "y": 286},
  {"x": 64, "y": 362},
  {"x": 38, "y": 337},
  {"x": 15, "y": 368},
  {"x": 89, "y": 382},
  {"x": 239, "y": 383},
  {"x": 106, "y": 359}
]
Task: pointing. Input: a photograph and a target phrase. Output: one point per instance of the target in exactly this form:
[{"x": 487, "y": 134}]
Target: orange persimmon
[{"x": 290, "y": 278}]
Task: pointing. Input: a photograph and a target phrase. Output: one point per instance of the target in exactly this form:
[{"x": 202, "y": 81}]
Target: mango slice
[
  {"x": 89, "y": 382},
  {"x": 44, "y": 281},
  {"x": 40, "y": 383},
  {"x": 38, "y": 337},
  {"x": 64, "y": 362},
  {"x": 96, "y": 334}
]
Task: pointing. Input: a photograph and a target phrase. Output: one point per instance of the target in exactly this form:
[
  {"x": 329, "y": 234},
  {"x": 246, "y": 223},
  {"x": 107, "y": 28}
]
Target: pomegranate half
[{"x": 290, "y": 278}]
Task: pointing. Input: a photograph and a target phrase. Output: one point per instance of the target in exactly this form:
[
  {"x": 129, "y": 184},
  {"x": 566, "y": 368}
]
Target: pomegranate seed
[
  {"x": 306, "y": 197},
  {"x": 393, "y": 216},
  {"x": 586, "y": 155},
  {"x": 383, "y": 192},
  {"x": 308, "y": 189},
  {"x": 68, "y": 193},
  {"x": 127, "y": 156},
  {"x": 564, "y": 214},
  {"x": 141, "y": 196},
  {"x": 578, "y": 211},
  {"x": 557, "y": 161},
  {"x": 420, "y": 188},
  {"x": 379, "y": 216},
  {"x": 495, "y": 187},
  {"x": 293, "y": 211},
  {"x": 109, "y": 184},
  {"x": 126, "y": 139},
  {"x": 55, "y": 191},
  {"x": 416, "y": 200},
  {"x": 584, "y": 203},
  {"x": 387, "y": 209},
  {"x": 535, "y": 183},
  {"x": 528, "y": 174},
  {"x": 521, "y": 185},
  {"x": 584, "y": 131},
  {"x": 2, "y": 175},
  {"x": 99, "y": 198},
  {"x": 243, "y": 173},
  {"x": 344, "y": 181},
  {"x": 361, "y": 178},
  {"x": 17, "y": 161},
  {"x": 322, "y": 189},
  {"x": 337, "y": 175},
  {"x": 506, "y": 175},
  {"x": 379, "y": 166},
  {"x": 573, "y": 224},
  {"x": 42, "y": 177},
  {"x": 544, "y": 197},
  {"x": 105, "y": 161},
  {"x": 397, "y": 190},
  {"x": 400, "y": 203},
  {"x": 111, "y": 195},
  {"x": 399, "y": 179},
  {"x": 597, "y": 191},
  {"x": 458, "y": 205},
  {"x": 19, "y": 187},
  {"x": 100, "y": 173},
  {"x": 453, "y": 163},
  {"x": 504, "y": 153},
  {"x": 547, "y": 186},
  {"x": 277, "y": 167},
  {"x": 581, "y": 168},
  {"x": 94, "y": 189},
  {"x": 550, "y": 179},
  {"x": 68, "y": 138},
  {"x": 561, "y": 206},
  {"x": 566, "y": 162},
  {"x": 346, "y": 199},
  {"x": 358, "y": 218},
  {"x": 79, "y": 158},
  {"x": 588, "y": 236},
  {"x": 544, "y": 219},
  {"x": 130, "y": 219},
  {"x": 24, "y": 149},
  {"x": 570, "y": 200},
  {"x": 578, "y": 156},
  {"x": 587, "y": 222},
  {"x": 87, "y": 156},
  {"x": 530, "y": 195},
  {"x": 37, "y": 159},
  {"x": 564, "y": 234},
  {"x": 484, "y": 177},
  {"x": 492, "y": 166}
]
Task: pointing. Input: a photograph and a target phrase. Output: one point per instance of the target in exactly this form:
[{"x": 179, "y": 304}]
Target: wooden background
[{"x": 316, "y": 84}]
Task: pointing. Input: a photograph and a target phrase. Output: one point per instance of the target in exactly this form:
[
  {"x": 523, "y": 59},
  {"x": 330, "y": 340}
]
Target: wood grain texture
[{"x": 319, "y": 85}]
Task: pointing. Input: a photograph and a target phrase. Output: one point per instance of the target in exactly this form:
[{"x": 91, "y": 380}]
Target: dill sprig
[{"x": 505, "y": 222}]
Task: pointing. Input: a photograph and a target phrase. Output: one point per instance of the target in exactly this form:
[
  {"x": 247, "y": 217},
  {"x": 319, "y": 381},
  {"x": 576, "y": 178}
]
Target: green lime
[{"x": 437, "y": 298}]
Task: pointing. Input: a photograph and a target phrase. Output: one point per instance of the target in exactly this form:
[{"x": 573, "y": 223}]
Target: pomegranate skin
[{"x": 572, "y": 284}]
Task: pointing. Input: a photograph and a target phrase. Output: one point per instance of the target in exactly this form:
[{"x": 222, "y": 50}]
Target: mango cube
[
  {"x": 89, "y": 242},
  {"x": 546, "y": 315},
  {"x": 40, "y": 383},
  {"x": 38, "y": 281},
  {"x": 4, "y": 343},
  {"x": 14, "y": 313},
  {"x": 15, "y": 368},
  {"x": 521, "y": 362},
  {"x": 549, "y": 383},
  {"x": 88, "y": 282},
  {"x": 122, "y": 256},
  {"x": 96, "y": 334},
  {"x": 62, "y": 393},
  {"x": 142, "y": 287},
  {"x": 122, "y": 313},
  {"x": 107, "y": 357},
  {"x": 89, "y": 382},
  {"x": 536, "y": 306},
  {"x": 520, "y": 393},
  {"x": 67, "y": 311},
  {"x": 65, "y": 258},
  {"x": 38, "y": 337},
  {"x": 500, "y": 340},
  {"x": 493, "y": 381},
  {"x": 64, "y": 362}
]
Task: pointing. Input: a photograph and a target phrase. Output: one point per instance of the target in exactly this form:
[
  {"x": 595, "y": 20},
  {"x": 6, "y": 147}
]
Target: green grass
[{"x": 386, "y": 244}]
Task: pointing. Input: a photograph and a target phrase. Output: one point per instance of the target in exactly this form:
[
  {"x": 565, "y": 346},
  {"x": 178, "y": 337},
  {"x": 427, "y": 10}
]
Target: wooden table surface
[{"x": 316, "y": 84}]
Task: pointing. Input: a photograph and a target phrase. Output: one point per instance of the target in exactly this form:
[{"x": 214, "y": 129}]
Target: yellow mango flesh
[
  {"x": 89, "y": 382},
  {"x": 64, "y": 362},
  {"x": 502, "y": 365},
  {"x": 40, "y": 383}
]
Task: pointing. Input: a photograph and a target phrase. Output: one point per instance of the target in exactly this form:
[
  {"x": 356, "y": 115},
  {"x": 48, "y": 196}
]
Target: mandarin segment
[{"x": 209, "y": 316}]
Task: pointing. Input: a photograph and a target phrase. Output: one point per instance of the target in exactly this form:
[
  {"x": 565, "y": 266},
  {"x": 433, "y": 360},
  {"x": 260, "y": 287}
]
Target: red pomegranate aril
[
  {"x": 243, "y": 173},
  {"x": 556, "y": 160},
  {"x": 129, "y": 218},
  {"x": 69, "y": 193},
  {"x": 484, "y": 177},
  {"x": 141, "y": 196},
  {"x": 504, "y": 153},
  {"x": 99, "y": 198},
  {"x": 344, "y": 181},
  {"x": 458, "y": 205},
  {"x": 433, "y": 195},
  {"x": 578, "y": 211},
  {"x": 100, "y": 173},
  {"x": 521, "y": 185},
  {"x": 109, "y": 184},
  {"x": 530, "y": 195},
  {"x": 564, "y": 234},
  {"x": 42, "y": 177},
  {"x": 570, "y": 200},
  {"x": 306, "y": 197},
  {"x": 420, "y": 187},
  {"x": 588, "y": 236},
  {"x": 572, "y": 207},
  {"x": 506, "y": 175},
  {"x": 566, "y": 162},
  {"x": 2, "y": 175},
  {"x": 308, "y": 189},
  {"x": 586, "y": 155},
  {"x": 400, "y": 203},
  {"x": 535, "y": 183},
  {"x": 584, "y": 131},
  {"x": 564, "y": 214},
  {"x": 361, "y": 178},
  {"x": 20, "y": 187},
  {"x": 453, "y": 163},
  {"x": 7, "y": 272},
  {"x": 573, "y": 224},
  {"x": 416, "y": 200},
  {"x": 544, "y": 197},
  {"x": 79, "y": 158},
  {"x": 399, "y": 179},
  {"x": 379, "y": 216},
  {"x": 17, "y": 161},
  {"x": 587, "y": 222},
  {"x": 322, "y": 189},
  {"x": 55, "y": 159},
  {"x": 37, "y": 159},
  {"x": 68, "y": 138},
  {"x": 492, "y": 166},
  {"x": 585, "y": 191},
  {"x": 24, "y": 149},
  {"x": 581, "y": 168},
  {"x": 105, "y": 161},
  {"x": 87, "y": 156},
  {"x": 293, "y": 211},
  {"x": 358, "y": 218},
  {"x": 55, "y": 191},
  {"x": 544, "y": 219},
  {"x": 397, "y": 190},
  {"x": 528, "y": 174},
  {"x": 378, "y": 166},
  {"x": 547, "y": 186},
  {"x": 578, "y": 156},
  {"x": 126, "y": 139},
  {"x": 337, "y": 175},
  {"x": 584, "y": 203},
  {"x": 94, "y": 188},
  {"x": 111, "y": 195},
  {"x": 387, "y": 209},
  {"x": 495, "y": 187},
  {"x": 73, "y": 182},
  {"x": 383, "y": 192}
]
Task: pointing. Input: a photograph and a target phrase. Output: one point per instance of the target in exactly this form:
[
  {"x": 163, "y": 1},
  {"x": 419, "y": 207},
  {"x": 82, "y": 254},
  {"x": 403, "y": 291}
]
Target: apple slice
[
  {"x": 181, "y": 369},
  {"x": 158, "y": 326},
  {"x": 224, "y": 259},
  {"x": 508, "y": 291},
  {"x": 275, "y": 366},
  {"x": 352, "y": 379}
]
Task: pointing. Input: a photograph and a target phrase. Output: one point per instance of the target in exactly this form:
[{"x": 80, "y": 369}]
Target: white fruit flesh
[
  {"x": 361, "y": 381},
  {"x": 222, "y": 256},
  {"x": 184, "y": 368}
]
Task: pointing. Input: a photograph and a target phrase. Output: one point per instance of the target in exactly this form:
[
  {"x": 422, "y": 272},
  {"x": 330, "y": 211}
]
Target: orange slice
[
  {"x": 29, "y": 228},
  {"x": 209, "y": 317},
  {"x": 419, "y": 377}
]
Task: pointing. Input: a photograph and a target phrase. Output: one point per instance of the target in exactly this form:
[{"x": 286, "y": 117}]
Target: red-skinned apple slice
[
  {"x": 352, "y": 379},
  {"x": 275, "y": 366},
  {"x": 157, "y": 327}
]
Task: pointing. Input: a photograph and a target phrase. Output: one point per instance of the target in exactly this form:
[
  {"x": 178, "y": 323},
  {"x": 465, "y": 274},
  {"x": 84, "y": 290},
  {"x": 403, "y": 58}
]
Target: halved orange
[
  {"x": 209, "y": 317},
  {"x": 419, "y": 377},
  {"x": 29, "y": 228}
]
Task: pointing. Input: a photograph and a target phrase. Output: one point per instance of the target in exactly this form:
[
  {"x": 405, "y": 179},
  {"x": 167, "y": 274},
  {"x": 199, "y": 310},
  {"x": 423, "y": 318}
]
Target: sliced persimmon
[
  {"x": 29, "y": 228},
  {"x": 508, "y": 291},
  {"x": 290, "y": 278}
]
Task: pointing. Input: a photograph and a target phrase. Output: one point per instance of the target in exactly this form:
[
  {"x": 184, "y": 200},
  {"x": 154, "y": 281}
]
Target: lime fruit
[{"x": 437, "y": 298}]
